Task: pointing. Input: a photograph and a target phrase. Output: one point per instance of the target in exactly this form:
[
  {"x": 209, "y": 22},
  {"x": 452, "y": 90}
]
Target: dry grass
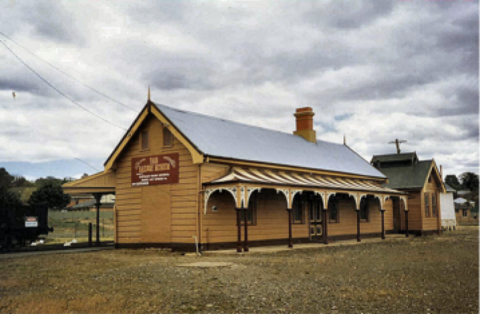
[{"x": 432, "y": 274}]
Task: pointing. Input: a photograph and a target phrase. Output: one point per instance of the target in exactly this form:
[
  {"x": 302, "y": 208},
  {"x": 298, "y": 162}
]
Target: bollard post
[{"x": 89, "y": 234}]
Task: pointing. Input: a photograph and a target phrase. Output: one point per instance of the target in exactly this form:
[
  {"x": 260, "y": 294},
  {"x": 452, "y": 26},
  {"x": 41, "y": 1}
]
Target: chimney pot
[{"x": 304, "y": 123}]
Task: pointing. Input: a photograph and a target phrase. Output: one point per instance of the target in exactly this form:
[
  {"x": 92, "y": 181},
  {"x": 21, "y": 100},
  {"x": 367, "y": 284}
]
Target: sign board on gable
[
  {"x": 157, "y": 169},
  {"x": 31, "y": 222}
]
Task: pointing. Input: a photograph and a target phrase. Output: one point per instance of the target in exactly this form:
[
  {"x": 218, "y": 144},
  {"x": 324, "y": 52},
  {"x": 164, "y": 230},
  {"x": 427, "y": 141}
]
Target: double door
[{"x": 315, "y": 208}]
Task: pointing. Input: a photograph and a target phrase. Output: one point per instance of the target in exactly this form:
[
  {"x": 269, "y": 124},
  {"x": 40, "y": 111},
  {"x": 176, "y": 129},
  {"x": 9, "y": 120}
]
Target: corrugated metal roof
[
  {"x": 228, "y": 139},
  {"x": 449, "y": 188},
  {"x": 394, "y": 157},
  {"x": 407, "y": 177},
  {"x": 252, "y": 175}
]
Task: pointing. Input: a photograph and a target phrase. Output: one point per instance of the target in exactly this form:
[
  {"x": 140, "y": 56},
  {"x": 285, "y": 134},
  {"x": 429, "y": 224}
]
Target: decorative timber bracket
[
  {"x": 232, "y": 190},
  {"x": 289, "y": 195},
  {"x": 358, "y": 198}
]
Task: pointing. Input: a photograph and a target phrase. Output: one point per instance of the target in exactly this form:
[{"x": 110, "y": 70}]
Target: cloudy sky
[{"x": 372, "y": 70}]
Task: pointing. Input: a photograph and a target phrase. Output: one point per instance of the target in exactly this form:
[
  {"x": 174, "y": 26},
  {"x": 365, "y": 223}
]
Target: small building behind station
[{"x": 422, "y": 180}]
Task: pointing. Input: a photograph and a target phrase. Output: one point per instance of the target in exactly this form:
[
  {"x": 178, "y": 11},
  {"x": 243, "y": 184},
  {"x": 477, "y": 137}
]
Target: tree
[
  {"x": 20, "y": 181},
  {"x": 50, "y": 194},
  {"x": 8, "y": 198},
  {"x": 49, "y": 181},
  {"x": 452, "y": 180},
  {"x": 5, "y": 178},
  {"x": 469, "y": 181}
]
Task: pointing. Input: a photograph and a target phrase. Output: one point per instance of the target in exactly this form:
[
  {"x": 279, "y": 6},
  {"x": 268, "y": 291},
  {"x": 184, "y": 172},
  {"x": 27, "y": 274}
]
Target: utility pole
[{"x": 397, "y": 142}]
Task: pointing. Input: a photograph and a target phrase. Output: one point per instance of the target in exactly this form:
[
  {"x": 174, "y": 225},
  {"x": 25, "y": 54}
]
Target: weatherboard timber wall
[
  {"x": 271, "y": 222},
  {"x": 212, "y": 171},
  {"x": 431, "y": 222},
  {"x": 415, "y": 211},
  {"x": 164, "y": 213},
  {"x": 347, "y": 224}
]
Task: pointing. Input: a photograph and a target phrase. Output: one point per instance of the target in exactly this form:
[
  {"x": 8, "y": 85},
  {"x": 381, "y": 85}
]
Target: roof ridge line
[
  {"x": 239, "y": 123},
  {"x": 393, "y": 154}
]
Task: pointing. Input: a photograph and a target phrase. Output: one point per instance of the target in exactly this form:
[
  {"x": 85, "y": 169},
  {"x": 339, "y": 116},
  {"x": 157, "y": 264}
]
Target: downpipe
[{"x": 196, "y": 246}]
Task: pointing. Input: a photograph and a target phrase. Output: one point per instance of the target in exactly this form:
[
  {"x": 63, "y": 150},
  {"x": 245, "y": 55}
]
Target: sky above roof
[{"x": 372, "y": 70}]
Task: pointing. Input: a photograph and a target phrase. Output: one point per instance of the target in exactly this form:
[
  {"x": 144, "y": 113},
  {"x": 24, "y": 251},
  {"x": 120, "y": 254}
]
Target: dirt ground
[{"x": 422, "y": 275}]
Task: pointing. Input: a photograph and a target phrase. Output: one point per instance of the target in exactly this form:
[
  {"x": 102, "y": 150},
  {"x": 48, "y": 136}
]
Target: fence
[{"x": 74, "y": 225}]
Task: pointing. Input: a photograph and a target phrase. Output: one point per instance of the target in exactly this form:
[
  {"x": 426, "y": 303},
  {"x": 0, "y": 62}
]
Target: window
[
  {"x": 298, "y": 216},
  {"x": 144, "y": 144},
  {"x": 427, "y": 211},
  {"x": 315, "y": 207},
  {"x": 251, "y": 212},
  {"x": 465, "y": 213},
  {"x": 434, "y": 206},
  {"x": 167, "y": 138},
  {"x": 333, "y": 214},
  {"x": 364, "y": 210}
]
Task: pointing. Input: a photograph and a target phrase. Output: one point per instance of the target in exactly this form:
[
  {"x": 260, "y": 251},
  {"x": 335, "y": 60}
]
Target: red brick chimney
[{"x": 304, "y": 123}]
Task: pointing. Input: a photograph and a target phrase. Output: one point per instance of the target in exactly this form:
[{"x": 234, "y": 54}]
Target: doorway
[{"x": 315, "y": 208}]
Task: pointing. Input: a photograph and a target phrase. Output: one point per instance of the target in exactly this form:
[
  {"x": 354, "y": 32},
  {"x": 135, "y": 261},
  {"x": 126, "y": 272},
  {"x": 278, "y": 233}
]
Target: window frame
[
  {"x": 364, "y": 206},
  {"x": 434, "y": 205},
  {"x": 298, "y": 205},
  {"x": 167, "y": 133},
  {"x": 426, "y": 200},
  {"x": 333, "y": 203},
  {"x": 142, "y": 138},
  {"x": 465, "y": 213}
]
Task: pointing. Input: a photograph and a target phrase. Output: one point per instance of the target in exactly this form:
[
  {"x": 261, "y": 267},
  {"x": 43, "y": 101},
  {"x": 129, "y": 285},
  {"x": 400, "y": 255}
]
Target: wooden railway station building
[{"x": 183, "y": 179}]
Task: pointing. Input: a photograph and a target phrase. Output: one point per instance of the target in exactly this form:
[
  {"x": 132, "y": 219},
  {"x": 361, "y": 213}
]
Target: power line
[
  {"x": 68, "y": 75},
  {"x": 60, "y": 92},
  {"x": 87, "y": 164}
]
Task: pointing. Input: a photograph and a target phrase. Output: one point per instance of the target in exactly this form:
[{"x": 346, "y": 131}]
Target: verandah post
[
  {"x": 324, "y": 225},
  {"x": 383, "y": 223},
  {"x": 290, "y": 241},
  {"x": 245, "y": 244},
  {"x": 358, "y": 226},
  {"x": 406, "y": 223},
  {"x": 98, "y": 198},
  {"x": 239, "y": 231}
]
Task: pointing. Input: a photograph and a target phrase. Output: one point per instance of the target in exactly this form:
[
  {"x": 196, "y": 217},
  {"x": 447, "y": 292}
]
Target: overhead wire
[
  {"x": 60, "y": 92},
  {"x": 68, "y": 75},
  {"x": 87, "y": 164},
  {"x": 64, "y": 95}
]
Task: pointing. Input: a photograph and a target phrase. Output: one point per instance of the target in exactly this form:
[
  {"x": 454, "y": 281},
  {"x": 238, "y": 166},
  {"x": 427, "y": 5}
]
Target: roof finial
[
  {"x": 148, "y": 92},
  {"x": 344, "y": 140}
]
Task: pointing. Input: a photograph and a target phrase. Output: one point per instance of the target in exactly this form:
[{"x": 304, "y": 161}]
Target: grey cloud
[
  {"x": 15, "y": 85},
  {"x": 349, "y": 15},
  {"x": 254, "y": 63},
  {"x": 46, "y": 19}
]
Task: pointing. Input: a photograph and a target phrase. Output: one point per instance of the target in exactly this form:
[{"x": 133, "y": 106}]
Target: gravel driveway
[{"x": 423, "y": 275}]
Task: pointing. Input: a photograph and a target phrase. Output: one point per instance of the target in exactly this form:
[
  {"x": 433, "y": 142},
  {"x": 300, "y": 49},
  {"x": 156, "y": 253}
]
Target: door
[{"x": 315, "y": 207}]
